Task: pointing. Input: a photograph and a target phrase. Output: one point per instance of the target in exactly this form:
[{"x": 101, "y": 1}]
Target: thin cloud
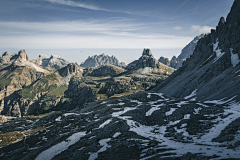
[
  {"x": 77, "y": 4},
  {"x": 92, "y": 7},
  {"x": 201, "y": 29},
  {"x": 178, "y": 28},
  {"x": 85, "y": 34}
]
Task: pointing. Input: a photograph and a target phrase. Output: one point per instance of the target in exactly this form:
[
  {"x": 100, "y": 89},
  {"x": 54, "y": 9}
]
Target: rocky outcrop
[
  {"x": 164, "y": 60},
  {"x": 173, "y": 62},
  {"x": 22, "y": 55},
  {"x": 5, "y": 58},
  {"x": 53, "y": 61},
  {"x": 213, "y": 68},
  {"x": 3, "y": 119},
  {"x": 105, "y": 70},
  {"x": 148, "y": 61},
  {"x": 70, "y": 69},
  {"x": 98, "y": 60},
  {"x": 80, "y": 93},
  {"x": 147, "y": 52}
]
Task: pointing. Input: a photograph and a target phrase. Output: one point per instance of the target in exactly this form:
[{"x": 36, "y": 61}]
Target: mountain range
[
  {"x": 187, "y": 51},
  {"x": 98, "y": 60},
  {"x": 194, "y": 113}
]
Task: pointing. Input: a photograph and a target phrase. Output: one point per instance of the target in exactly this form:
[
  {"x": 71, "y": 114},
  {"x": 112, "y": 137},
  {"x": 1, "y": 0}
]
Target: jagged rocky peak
[
  {"x": 5, "y": 54},
  {"x": 54, "y": 61},
  {"x": 22, "y": 55},
  {"x": 5, "y": 58},
  {"x": 98, "y": 60},
  {"x": 148, "y": 62},
  {"x": 69, "y": 69},
  {"x": 147, "y": 52},
  {"x": 187, "y": 51},
  {"x": 164, "y": 60}
]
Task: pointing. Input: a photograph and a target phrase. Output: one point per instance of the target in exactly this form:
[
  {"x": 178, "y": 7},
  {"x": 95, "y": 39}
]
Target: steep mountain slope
[
  {"x": 16, "y": 74},
  {"x": 187, "y": 51},
  {"x": 27, "y": 89},
  {"x": 213, "y": 69},
  {"x": 98, "y": 60},
  {"x": 50, "y": 62}
]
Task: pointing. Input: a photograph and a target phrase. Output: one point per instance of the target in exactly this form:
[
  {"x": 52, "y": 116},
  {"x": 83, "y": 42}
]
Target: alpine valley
[{"x": 186, "y": 108}]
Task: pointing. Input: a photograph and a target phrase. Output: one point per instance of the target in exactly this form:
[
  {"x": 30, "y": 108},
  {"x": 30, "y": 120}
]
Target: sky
[{"x": 76, "y": 29}]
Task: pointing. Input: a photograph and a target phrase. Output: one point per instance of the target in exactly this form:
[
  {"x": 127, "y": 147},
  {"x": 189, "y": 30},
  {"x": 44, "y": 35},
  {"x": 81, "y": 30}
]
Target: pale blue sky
[{"x": 75, "y": 29}]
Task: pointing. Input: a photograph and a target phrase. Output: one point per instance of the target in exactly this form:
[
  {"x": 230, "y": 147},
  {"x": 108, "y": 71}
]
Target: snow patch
[
  {"x": 58, "y": 119},
  {"x": 234, "y": 58},
  {"x": 103, "y": 143},
  {"x": 216, "y": 48},
  {"x": 68, "y": 114},
  {"x": 117, "y": 114},
  {"x": 181, "y": 103},
  {"x": 60, "y": 147},
  {"x": 192, "y": 94},
  {"x": 170, "y": 112},
  {"x": 32, "y": 65},
  {"x": 153, "y": 109},
  {"x": 116, "y": 134},
  {"x": 105, "y": 123},
  {"x": 220, "y": 101}
]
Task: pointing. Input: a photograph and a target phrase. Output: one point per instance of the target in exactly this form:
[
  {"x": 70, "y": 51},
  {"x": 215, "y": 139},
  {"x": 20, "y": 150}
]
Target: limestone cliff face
[
  {"x": 212, "y": 70},
  {"x": 5, "y": 58},
  {"x": 164, "y": 60},
  {"x": 22, "y": 55},
  {"x": 15, "y": 75},
  {"x": 187, "y": 51},
  {"x": 98, "y": 60},
  {"x": 70, "y": 69}
]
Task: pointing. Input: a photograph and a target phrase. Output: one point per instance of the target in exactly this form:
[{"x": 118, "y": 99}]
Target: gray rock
[
  {"x": 69, "y": 69},
  {"x": 164, "y": 60},
  {"x": 98, "y": 60},
  {"x": 147, "y": 60},
  {"x": 187, "y": 51},
  {"x": 5, "y": 58},
  {"x": 54, "y": 61}
]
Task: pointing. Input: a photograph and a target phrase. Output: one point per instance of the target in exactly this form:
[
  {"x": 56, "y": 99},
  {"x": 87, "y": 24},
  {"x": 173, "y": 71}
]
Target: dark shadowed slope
[{"x": 213, "y": 69}]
